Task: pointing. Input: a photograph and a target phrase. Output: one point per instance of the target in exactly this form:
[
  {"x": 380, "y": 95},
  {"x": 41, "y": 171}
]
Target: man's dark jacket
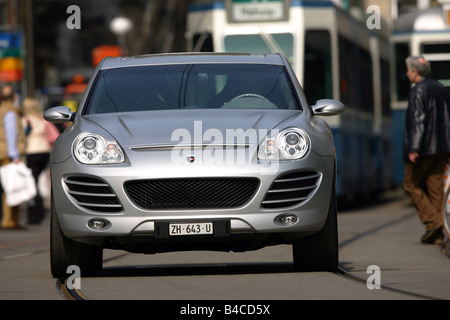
[{"x": 427, "y": 122}]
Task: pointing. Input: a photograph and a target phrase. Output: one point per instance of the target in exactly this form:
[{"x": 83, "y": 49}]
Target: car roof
[{"x": 189, "y": 58}]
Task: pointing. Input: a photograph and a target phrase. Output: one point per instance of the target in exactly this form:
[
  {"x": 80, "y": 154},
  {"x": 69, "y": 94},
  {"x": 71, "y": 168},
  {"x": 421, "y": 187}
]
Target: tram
[
  {"x": 419, "y": 32},
  {"x": 334, "y": 56}
]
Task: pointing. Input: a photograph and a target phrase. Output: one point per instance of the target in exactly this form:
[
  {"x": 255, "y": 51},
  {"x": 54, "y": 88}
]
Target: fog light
[
  {"x": 288, "y": 219},
  {"x": 97, "y": 224}
]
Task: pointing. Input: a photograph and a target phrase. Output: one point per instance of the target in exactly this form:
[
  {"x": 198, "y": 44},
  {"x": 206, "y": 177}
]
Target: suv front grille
[
  {"x": 191, "y": 193},
  {"x": 93, "y": 194},
  {"x": 291, "y": 189}
]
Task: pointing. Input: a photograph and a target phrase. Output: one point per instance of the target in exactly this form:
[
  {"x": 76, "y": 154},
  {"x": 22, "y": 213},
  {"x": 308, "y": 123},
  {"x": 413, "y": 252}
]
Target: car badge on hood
[{"x": 190, "y": 159}]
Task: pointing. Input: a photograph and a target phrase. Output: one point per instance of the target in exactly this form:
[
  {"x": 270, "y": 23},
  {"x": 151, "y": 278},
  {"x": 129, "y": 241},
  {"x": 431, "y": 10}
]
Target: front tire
[
  {"x": 65, "y": 252},
  {"x": 320, "y": 251}
]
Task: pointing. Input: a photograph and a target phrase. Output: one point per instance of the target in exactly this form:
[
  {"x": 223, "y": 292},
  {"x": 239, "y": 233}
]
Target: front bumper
[{"x": 131, "y": 223}]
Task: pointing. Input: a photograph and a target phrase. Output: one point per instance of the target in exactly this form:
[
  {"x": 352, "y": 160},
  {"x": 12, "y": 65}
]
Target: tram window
[
  {"x": 202, "y": 42},
  {"x": 401, "y": 80},
  {"x": 440, "y": 70},
  {"x": 366, "y": 80},
  {"x": 385, "y": 89},
  {"x": 252, "y": 43},
  {"x": 356, "y": 75},
  {"x": 261, "y": 44},
  {"x": 347, "y": 75},
  {"x": 317, "y": 76},
  {"x": 436, "y": 48}
]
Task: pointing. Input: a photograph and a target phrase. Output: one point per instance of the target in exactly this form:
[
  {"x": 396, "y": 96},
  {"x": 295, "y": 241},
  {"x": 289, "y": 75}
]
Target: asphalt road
[{"x": 384, "y": 235}]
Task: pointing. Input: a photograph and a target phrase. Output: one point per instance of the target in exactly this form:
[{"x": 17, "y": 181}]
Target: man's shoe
[{"x": 433, "y": 236}]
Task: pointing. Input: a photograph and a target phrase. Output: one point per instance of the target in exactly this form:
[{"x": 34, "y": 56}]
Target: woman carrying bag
[
  {"x": 12, "y": 146},
  {"x": 40, "y": 136}
]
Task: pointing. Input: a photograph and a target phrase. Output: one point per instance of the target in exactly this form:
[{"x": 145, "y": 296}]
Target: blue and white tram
[
  {"x": 419, "y": 32},
  {"x": 333, "y": 55}
]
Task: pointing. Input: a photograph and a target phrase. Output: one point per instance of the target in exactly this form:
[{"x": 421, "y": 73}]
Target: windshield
[{"x": 202, "y": 86}]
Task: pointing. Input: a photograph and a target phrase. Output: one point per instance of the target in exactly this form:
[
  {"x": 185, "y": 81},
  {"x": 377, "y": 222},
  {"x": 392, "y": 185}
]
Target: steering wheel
[
  {"x": 248, "y": 95},
  {"x": 264, "y": 104}
]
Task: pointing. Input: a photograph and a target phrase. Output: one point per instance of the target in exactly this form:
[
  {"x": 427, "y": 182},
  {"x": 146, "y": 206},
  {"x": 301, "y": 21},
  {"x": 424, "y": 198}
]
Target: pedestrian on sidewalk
[
  {"x": 40, "y": 136},
  {"x": 12, "y": 148},
  {"x": 426, "y": 146}
]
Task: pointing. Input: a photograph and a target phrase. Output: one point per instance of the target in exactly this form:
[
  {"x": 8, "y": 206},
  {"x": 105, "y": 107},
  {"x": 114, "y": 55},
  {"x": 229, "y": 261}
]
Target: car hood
[{"x": 133, "y": 129}]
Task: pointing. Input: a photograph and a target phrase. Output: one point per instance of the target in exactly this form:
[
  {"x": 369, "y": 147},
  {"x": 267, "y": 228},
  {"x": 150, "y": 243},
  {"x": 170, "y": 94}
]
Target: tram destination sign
[{"x": 257, "y": 10}]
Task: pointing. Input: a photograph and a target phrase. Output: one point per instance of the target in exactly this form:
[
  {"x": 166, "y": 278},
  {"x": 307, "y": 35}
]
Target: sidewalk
[{"x": 391, "y": 240}]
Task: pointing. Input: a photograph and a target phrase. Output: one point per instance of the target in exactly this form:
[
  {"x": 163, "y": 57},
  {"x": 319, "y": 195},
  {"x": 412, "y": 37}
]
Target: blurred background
[
  {"x": 340, "y": 49},
  {"x": 51, "y": 54}
]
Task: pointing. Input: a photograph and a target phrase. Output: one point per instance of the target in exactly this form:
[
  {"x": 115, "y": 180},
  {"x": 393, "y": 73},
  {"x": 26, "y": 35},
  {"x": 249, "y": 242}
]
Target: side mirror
[
  {"x": 328, "y": 107},
  {"x": 59, "y": 114}
]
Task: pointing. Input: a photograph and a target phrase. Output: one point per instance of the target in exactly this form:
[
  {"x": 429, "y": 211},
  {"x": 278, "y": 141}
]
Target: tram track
[
  {"x": 76, "y": 294},
  {"x": 70, "y": 294},
  {"x": 349, "y": 275}
]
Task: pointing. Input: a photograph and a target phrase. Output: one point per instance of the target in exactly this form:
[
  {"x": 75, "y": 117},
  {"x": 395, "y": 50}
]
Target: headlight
[
  {"x": 91, "y": 148},
  {"x": 291, "y": 143}
]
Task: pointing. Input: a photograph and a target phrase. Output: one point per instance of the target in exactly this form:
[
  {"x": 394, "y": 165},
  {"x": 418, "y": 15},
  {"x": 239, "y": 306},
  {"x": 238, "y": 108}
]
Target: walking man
[{"x": 426, "y": 146}]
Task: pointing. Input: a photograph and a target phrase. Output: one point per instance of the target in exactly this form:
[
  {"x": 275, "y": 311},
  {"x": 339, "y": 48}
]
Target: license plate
[{"x": 187, "y": 229}]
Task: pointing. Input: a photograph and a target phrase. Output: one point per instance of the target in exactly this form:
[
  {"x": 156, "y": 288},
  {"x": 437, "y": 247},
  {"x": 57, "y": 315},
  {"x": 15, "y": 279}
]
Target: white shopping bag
[
  {"x": 44, "y": 184},
  {"x": 18, "y": 183}
]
